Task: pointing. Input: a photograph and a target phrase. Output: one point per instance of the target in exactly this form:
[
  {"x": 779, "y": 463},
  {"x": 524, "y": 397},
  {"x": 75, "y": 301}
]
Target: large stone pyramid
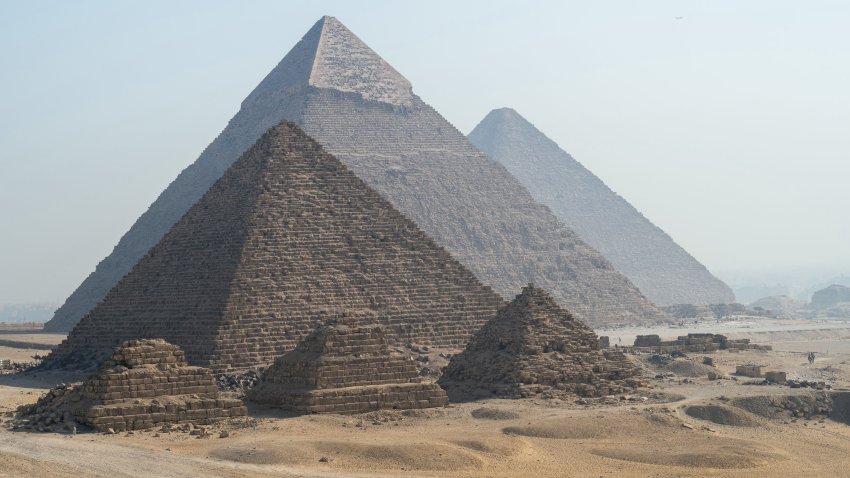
[
  {"x": 661, "y": 269},
  {"x": 533, "y": 347},
  {"x": 345, "y": 369},
  {"x": 287, "y": 239},
  {"x": 365, "y": 113}
]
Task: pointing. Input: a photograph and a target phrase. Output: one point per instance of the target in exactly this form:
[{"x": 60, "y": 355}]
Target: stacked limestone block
[
  {"x": 289, "y": 238},
  {"x": 346, "y": 369},
  {"x": 365, "y": 113},
  {"x": 531, "y": 347},
  {"x": 145, "y": 383}
]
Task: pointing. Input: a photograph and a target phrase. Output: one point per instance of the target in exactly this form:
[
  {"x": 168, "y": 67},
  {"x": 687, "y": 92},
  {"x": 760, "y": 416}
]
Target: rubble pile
[{"x": 534, "y": 347}]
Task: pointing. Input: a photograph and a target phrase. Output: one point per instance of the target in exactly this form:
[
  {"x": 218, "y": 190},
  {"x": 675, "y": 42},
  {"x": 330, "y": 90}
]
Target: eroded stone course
[
  {"x": 346, "y": 369},
  {"x": 286, "y": 240},
  {"x": 533, "y": 347},
  {"x": 364, "y": 112},
  {"x": 145, "y": 383}
]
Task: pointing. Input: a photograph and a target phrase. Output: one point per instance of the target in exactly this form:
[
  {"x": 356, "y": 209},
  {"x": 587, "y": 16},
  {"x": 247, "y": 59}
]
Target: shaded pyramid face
[
  {"x": 365, "y": 113},
  {"x": 661, "y": 269},
  {"x": 533, "y": 346},
  {"x": 287, "y": 239},
  {"x": 345, "y": 369}
]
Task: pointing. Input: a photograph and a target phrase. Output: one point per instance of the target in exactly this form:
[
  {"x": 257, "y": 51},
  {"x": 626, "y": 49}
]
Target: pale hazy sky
[{"x": 729, "y": 128}]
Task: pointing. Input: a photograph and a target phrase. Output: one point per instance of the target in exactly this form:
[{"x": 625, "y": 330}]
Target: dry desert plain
[{"x": 652, "y": 433}]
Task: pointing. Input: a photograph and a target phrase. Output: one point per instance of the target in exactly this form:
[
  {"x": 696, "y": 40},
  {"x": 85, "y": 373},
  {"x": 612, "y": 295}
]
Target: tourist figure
[{"x": 811, "y": 357}]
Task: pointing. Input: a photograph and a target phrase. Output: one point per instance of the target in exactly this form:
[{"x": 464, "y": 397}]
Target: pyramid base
[
  {"x": 142, "y": 414},
  {"x": 353, "y": 399}
]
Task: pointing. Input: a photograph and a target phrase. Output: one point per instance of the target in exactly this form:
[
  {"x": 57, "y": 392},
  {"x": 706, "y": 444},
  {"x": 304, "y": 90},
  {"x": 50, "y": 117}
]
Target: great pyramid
[
  {"x": 365, "y": 113},
  {"x": 145, "y": 383},
  {"x": 287, "y": 239},
  {"x": 345, "y": 369},
  {"x": 532, "y": 347},
  {"x": 659, "y": 267}
]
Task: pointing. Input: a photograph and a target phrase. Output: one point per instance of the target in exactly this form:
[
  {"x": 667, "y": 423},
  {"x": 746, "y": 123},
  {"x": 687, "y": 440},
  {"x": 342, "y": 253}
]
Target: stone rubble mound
[
  {"x": 145, "y": 383},
  {"x": 286, "y": 240},
  {"x": 535, "y": 347},
  {"x": 346, "y": 369}
]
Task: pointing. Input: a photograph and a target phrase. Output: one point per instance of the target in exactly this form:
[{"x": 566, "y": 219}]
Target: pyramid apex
[
  {"x": 503, "y": 114},
  {"x": 343, "y": 62}
]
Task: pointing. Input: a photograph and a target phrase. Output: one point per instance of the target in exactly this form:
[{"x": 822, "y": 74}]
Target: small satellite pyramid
[
  {"x": 287, "y": 239},
  {"x": 364, "y": 112},
  {"x": 533, "y": 347},
  {"x": 345, "y": 369},
  {"x": 144, "y": 384},
  {"x": 659, "y": 267}
]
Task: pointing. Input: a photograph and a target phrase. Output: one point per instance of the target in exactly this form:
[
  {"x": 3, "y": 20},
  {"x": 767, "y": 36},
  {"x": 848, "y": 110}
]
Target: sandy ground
[
  {"x": 20, "y": 352},
  {"x": 498, "y": 438}
]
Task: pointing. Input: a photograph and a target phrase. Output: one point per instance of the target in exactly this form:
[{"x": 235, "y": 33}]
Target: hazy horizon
[{"x": 726, "y": 128}]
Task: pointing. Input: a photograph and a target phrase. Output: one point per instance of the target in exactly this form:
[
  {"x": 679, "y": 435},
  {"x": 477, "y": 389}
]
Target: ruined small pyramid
[
  {"x": 145, "y": 383},
  {"x": 533, "y": 347},
  {"x": 365, "y": 113},
  {"x": 345, "y": 369},
  {"x": 650, "y": 258},
  {"x": 287, "y": 239}
]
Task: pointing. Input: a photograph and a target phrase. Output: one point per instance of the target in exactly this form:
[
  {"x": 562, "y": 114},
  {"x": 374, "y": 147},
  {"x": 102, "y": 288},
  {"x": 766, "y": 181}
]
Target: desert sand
[{"x": 529, "y": 437}]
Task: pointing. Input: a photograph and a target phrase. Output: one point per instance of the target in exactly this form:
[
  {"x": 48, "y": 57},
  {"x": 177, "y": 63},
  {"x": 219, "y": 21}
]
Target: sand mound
[
  {"x": 356, "y": 456},
  {"x": 683, "y": 367},
  {"x": 724, "y": 457},
  {"x": 720, "y": 415},
  {"x": 484, "y": 446},
  {"x": 780, "y": 407},
  {"x": 565, "y": 429},
  {"x": 493, "y": 414},
  {"x": 663, "y": 420}
]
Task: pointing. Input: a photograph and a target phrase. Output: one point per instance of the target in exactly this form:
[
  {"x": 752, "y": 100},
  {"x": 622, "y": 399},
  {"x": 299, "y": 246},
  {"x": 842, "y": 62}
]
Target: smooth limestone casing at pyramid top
[
  {"x": 365, "y": 113},
  {"x": 661, "y": 269},
  {"x": 286, "y": 240},
  {"x": 346, "y": 369}
]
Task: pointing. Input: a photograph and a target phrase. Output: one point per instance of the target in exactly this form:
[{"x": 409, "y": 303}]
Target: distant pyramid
[
  {"x": 286, "y": 240},
  {"x": 365, "y": 113},
  {"x": 534, "y": 347},
  {"x": 660, "y": 268},
  {"x": 346, "y": 369}
]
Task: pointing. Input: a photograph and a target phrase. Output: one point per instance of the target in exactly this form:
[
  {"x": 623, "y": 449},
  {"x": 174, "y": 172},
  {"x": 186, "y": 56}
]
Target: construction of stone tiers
[
  {"x": 365, "y": 113},
  {"x": 693, "y": 343},
  {"x": 534, "y": 347},
  {"x": 664, "y": 271},
  {"x": 286, "y": 240},
  {"x": 346, "y": 369},
  {"x": 145, "y": 383}
]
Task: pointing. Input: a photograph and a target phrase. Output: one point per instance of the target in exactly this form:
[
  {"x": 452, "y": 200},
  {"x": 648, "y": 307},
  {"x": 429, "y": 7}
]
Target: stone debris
[
  {"x": 808, "y": 384},
  {"x": 345, "y": 369},
  {"x": 364, "y": 113},
  {"x": 692, "y": 343},
  {"x": 286, "y": 240},
  {"x": 10, "y": 366},
  {"x": 240, "y": 382},
  {"x": 145, "y": 384},
  {"x": 749, "y": 370},
  {"x": 534, "y": 347}
]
